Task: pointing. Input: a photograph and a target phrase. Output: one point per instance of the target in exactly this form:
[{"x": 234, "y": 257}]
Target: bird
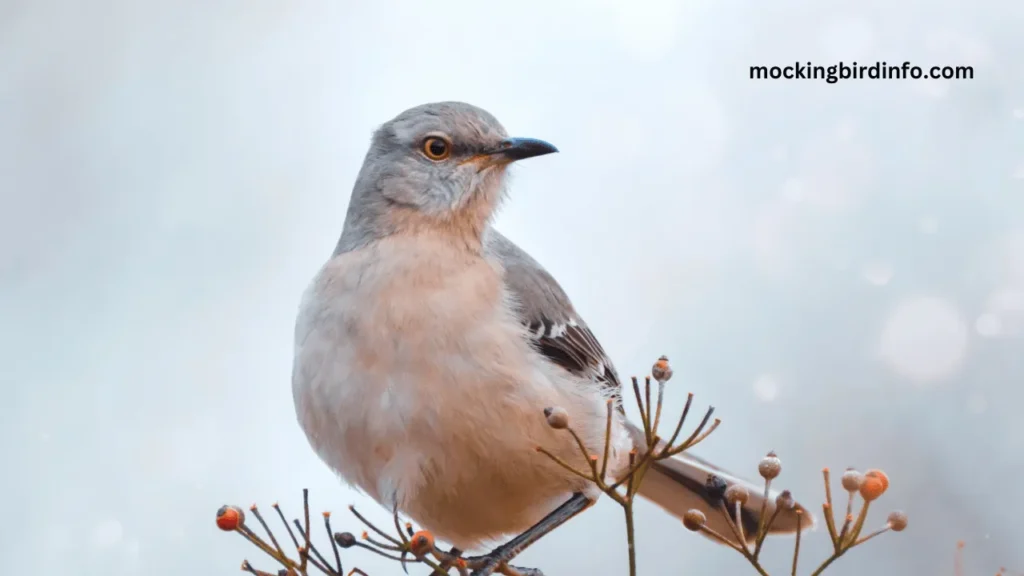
[{"x": 429, "y": 344}]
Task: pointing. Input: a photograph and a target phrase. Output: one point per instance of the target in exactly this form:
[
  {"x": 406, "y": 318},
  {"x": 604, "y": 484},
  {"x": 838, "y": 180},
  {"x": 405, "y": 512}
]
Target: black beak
[{"x": 522, "y": 148}]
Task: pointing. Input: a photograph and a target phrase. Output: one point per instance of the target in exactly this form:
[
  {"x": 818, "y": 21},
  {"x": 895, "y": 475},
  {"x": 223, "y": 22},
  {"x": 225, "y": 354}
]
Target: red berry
[
  {"x": 421, "y": 543},
  {"x": 230, "y": 518}
]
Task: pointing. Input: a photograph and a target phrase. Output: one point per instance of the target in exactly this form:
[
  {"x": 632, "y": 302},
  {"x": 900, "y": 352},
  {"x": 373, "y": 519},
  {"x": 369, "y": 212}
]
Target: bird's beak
[{"x": 512, "y": 149}]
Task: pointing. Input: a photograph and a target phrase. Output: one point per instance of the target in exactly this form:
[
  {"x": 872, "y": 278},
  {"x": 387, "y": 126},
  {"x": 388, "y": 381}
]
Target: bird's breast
[{"x": 397, "y": 347}]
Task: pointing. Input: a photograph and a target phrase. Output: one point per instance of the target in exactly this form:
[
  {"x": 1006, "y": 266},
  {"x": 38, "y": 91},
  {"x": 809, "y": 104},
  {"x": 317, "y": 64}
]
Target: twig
[
  {"x": 607, "y": 438},
  {"x": 647, "y": 406},
  {"x": 796, "y": 547},
  {"x": 657, "y": 412},
  {"x": 696, "y": 437},
  {"x": 643, "y": 413},
  {"x": 304, "y": 551},
  {"x": 334, "y": 545},
  {"x": 287, "y": 527},
  {"x": 630, "y": 536},
  {"x": 679, "y": 424},
  {"x": 373, "y": 527},
  {"x": 256, "y": 512}
]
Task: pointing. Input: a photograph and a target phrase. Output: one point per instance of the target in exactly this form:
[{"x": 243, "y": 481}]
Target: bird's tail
[{"x": 679, "y": 484}]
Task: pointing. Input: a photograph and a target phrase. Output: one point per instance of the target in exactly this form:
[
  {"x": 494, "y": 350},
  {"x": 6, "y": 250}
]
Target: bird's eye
[{"x": 436, "y": 148}]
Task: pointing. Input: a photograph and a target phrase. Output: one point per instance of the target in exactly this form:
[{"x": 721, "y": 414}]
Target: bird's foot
[
  {"x": 494, "y": 564},
  {"x": 517, "y": 571},
  {"x": 497, "y": 561}
]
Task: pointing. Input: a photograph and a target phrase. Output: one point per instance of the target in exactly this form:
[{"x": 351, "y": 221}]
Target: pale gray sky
[{"x": 839, "y": 269}]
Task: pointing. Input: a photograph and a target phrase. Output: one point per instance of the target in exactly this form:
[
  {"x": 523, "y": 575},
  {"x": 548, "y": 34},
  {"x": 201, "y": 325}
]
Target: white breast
[{"x": 414, "y": 381}]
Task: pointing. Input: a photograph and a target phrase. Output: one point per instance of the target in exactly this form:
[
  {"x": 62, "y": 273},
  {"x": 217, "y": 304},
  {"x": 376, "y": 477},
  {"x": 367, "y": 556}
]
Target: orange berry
[
  {"x": 230, "y": 518},
  {"x": 871, "y": 488},
  {"x": 461, "y": 563},
  {"x": 881, "y": 476},
  {"x": 421, "y": 543}
]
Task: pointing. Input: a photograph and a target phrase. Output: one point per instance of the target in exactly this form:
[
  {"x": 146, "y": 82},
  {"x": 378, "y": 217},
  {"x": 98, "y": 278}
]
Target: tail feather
[{"x": 678, "y": 485}]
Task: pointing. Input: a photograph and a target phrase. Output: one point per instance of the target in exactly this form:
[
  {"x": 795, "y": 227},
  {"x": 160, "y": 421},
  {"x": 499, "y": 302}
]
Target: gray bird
[{"x": 428, "y": 345}]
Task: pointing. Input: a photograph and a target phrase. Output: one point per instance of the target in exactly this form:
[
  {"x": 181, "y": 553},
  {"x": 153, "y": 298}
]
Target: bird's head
[{"x": 438, "y": 165}]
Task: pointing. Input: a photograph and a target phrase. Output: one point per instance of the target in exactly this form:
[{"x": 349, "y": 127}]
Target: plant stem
[
  {"x": 796, "y": 547},
  {"x": 826, "y": 563},
  {"x": 630, "y": 543}
]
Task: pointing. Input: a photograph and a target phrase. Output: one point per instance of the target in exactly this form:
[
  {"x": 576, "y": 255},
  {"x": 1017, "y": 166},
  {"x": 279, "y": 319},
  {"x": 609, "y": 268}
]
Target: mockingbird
[{"x": 428, "y": 345}]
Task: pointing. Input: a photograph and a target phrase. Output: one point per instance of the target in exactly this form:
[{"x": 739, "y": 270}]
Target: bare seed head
[
  {"x": 736, "y": 494},
  {"x": 662, "y": 371},
  {"x": 694, "y": 519},
  {"x": 897, "y": 521},
  {"x": 770, "y": 466},
  {"x": 852, "y": 480},
  {"x": 345, "y": 539},
  {"x": 557, "y": 417},
  {"x": 785, "y": 501}
]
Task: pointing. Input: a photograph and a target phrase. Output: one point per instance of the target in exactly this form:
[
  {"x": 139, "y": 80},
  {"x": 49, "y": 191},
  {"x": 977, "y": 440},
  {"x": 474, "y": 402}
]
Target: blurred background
[{"x": 839, "y": 269}]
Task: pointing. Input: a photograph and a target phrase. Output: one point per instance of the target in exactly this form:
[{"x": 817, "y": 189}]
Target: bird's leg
[
  {"x": 506, "y": 570},
  {"x": 449, "y": 559},
  {"x": 487, "y": 564}
]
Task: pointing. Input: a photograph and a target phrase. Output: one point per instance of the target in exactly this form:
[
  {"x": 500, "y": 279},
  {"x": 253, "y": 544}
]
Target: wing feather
[{"x": 554, "y": 327}]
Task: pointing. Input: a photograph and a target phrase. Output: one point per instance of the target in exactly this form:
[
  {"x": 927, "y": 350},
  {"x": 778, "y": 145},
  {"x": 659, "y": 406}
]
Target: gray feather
[{"x": 556, "y": 330}]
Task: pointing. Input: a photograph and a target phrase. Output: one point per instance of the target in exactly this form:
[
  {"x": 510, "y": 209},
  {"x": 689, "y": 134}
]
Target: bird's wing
[
  {"x": 677, "y": 484},
  {"x": 555, "y": 329}
]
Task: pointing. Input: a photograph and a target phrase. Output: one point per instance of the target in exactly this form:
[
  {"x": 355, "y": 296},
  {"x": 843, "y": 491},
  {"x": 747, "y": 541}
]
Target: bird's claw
[{"x": 497, "y": 562}]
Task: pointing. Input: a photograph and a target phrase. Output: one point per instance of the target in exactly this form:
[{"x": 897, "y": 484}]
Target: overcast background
[{"x": 839, "y": 269}]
